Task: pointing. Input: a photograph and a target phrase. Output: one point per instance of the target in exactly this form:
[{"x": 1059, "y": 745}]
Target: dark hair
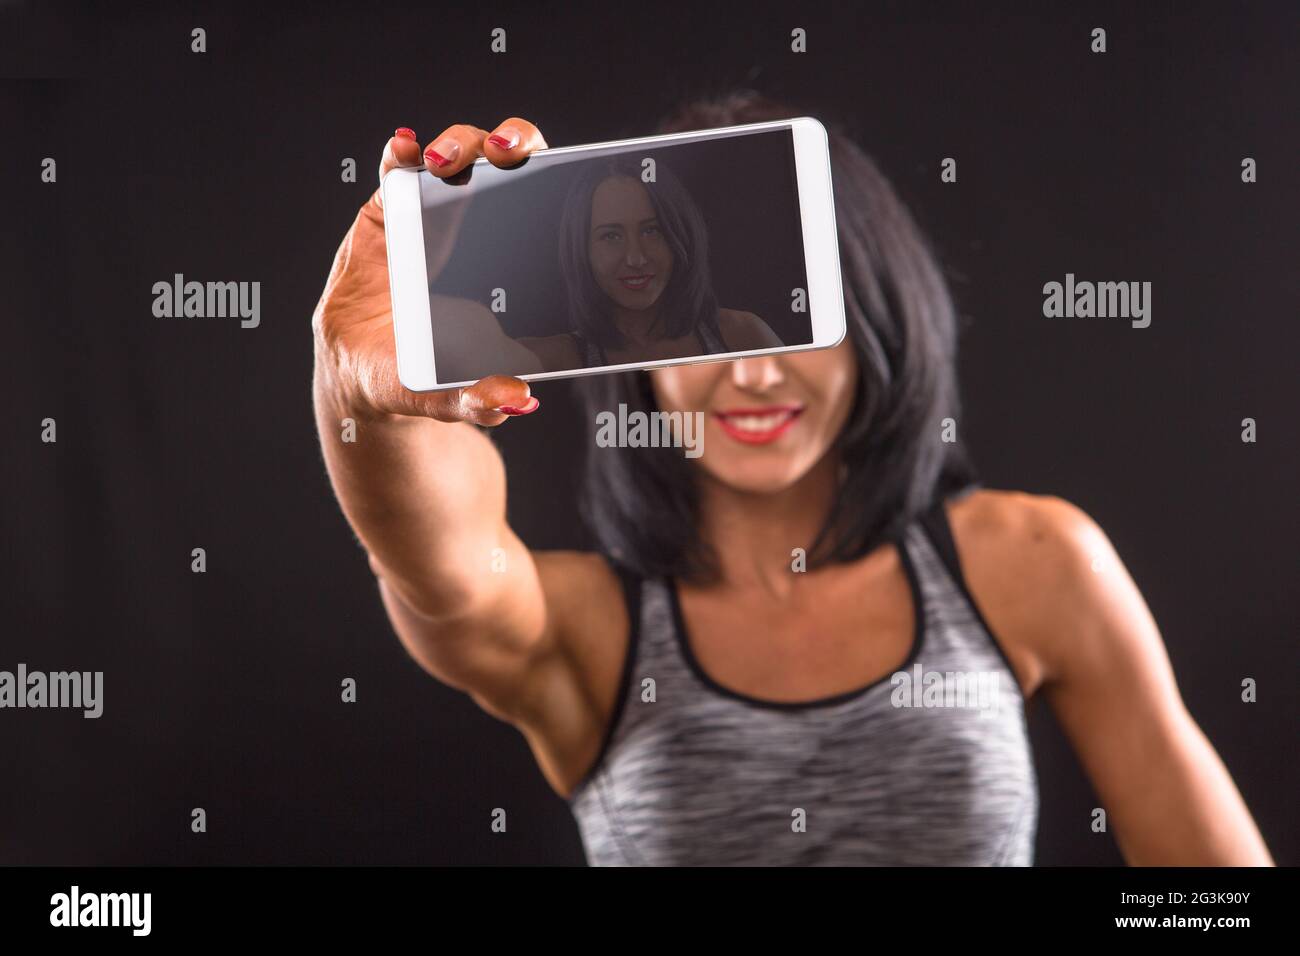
[
  {"x": 643, "y": 503},
  {"x": 689, "y": 301}
]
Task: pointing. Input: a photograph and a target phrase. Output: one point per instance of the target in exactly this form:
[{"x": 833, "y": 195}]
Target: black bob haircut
[
  {"x": 642, "y": 504},
  {"x": 689, "y": 302}
]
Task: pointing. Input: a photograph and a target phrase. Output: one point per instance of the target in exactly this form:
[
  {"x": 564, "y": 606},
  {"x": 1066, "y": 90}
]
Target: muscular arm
[
  {"x": 471, "y": 343},
  {"x": 527, "y": 637},
  {"x": 1052, "y": 586},
  {"x": 425, "y": 492},
  {"x": 422, "y": 487},
  {"x": 427, "y": 500}
]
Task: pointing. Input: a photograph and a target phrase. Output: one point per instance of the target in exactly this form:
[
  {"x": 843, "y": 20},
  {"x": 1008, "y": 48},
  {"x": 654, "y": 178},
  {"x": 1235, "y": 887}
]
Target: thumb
[{"x": 489, "y": 401}]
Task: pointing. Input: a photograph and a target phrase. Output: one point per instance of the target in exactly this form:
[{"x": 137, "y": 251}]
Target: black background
[{"x": 222, "y": 689}]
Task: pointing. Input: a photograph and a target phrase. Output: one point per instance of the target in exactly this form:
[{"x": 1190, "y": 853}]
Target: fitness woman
[{"x": 698, "y": 694}]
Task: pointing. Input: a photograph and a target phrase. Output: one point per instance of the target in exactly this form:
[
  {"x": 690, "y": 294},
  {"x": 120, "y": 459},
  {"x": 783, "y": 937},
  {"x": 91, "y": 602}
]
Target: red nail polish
[
  {"x": 527, "y": 408},
  {"x": 432, "y": 156},
  {"x": 501, "y": 142},
  {"x": 405, "y": 132}
]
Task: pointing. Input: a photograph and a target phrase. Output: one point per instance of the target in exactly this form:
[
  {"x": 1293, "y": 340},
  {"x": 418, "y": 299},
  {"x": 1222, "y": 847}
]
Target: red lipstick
[{"x": 760, "y": 425}]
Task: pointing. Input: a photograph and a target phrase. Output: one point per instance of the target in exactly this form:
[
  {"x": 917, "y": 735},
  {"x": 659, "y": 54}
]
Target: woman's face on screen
[
  {"x": 767, "y": 420},
  {"x": 630, "y": 257}
]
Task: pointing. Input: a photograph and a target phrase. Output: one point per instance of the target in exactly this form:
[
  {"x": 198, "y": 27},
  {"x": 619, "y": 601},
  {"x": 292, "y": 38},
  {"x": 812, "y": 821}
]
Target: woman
[
  {"x": 635, "y": 260},
  {"x": 748, "y": 676}
]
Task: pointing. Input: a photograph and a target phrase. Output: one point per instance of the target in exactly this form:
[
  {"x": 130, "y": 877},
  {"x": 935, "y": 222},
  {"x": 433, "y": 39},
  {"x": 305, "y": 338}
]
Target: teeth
[{"x": 758, "y": 423}]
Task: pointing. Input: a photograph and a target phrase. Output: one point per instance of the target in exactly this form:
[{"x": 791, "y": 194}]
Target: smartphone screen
[{"x": 616, "y": 254}]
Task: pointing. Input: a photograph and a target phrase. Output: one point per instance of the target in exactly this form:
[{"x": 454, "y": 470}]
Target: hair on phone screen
[{"x": 689, "y": 303}]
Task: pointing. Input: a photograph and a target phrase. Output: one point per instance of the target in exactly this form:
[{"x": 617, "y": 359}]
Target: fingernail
[
  {"x": 405, "y": 132},
  {"x": 443, "y": 152},
  {"x": 505, "y": 138},
  {"x": 526, "y": 408}
]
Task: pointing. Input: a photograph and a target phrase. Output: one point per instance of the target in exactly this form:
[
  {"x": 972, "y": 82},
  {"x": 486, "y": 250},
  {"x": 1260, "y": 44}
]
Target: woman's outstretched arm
[{"x": 422, "y": 487}]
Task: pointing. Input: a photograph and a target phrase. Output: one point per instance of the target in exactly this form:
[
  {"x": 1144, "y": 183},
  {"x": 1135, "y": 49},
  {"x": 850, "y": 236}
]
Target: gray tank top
[{"x": 930, "y": 765}]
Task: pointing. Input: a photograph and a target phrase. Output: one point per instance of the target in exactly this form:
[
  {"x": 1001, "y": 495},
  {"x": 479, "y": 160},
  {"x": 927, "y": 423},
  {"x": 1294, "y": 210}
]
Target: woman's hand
[{"x": 356, "y": 360}]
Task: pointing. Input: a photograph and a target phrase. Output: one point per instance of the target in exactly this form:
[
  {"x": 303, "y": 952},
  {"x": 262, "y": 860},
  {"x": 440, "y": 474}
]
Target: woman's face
[
  {"x": 630, "y": 258},
  {"x": 767, "y": 420}
]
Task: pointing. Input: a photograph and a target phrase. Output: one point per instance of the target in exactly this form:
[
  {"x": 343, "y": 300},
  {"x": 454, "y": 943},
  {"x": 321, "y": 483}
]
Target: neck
[
  {"x": 753, "y": 534},
  {"x": 636, "y": 324}
]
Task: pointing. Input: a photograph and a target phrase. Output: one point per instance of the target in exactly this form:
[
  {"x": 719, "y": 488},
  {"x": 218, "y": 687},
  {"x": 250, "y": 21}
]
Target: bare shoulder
[
  {"x": 1045, "y": 536},
  {"x": 584, "y": 601},
  {"x": 1033, "y": 565},
  {"x": 576, "y": 682},
  {"x": 745, "y": 330},
  {"x": 571, "y": 578}
]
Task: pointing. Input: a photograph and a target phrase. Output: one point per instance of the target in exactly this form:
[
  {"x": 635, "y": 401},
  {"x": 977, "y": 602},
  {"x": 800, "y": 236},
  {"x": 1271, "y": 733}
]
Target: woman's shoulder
[
  {"x": 1038, "y": 566},
  {"x": 744, "y": 330},
  {"x": 582, "y": 588},
  {"x": 1016, "y": 523},
  {"x": 588, "y": 613}
]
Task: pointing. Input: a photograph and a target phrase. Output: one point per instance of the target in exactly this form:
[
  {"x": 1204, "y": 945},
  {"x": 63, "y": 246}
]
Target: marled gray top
[{"x": 705, "y": 776}]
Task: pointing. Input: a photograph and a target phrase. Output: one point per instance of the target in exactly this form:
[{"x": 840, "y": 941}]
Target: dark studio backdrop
[{"x": 222, "y": 689}]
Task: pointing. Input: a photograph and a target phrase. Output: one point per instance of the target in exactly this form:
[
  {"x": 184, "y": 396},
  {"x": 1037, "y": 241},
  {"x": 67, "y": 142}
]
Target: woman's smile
[
  {"x": 774, "y": 418},
  {"x": 636, "y": 282},
  {"x": 758, "y": 426}
]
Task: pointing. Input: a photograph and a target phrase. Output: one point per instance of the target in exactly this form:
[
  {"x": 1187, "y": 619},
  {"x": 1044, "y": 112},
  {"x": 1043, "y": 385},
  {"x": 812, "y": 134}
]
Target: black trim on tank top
[
  {"x": 631, "y": 587},
  {"x": 938, "y": 530},
  {"x": 918, "y": 641}
]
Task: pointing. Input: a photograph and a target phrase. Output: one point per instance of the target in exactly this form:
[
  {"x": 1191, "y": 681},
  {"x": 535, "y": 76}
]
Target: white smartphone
[{"x": 702, "y": 246}]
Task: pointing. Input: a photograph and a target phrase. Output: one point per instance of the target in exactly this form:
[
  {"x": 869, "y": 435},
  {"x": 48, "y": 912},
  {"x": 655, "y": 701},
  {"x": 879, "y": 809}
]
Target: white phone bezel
[{"x": 408, "y": 273}]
